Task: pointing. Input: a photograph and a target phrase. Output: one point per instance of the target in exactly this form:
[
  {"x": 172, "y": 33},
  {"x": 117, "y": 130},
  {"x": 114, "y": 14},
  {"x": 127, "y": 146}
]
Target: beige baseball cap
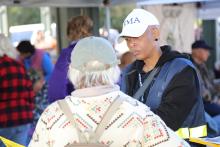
[{"x": 89, "y": 52}]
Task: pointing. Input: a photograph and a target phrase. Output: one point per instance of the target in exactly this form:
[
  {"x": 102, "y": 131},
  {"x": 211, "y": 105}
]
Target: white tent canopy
[
  {"x": 62, "y": 3},
  {"x": 90, "y": 3},
  {"x": 155, "y": 2}
]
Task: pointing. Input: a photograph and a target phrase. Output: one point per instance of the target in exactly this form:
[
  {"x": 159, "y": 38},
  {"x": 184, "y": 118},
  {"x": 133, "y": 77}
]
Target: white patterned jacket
[{"x": 133, "y": 124}]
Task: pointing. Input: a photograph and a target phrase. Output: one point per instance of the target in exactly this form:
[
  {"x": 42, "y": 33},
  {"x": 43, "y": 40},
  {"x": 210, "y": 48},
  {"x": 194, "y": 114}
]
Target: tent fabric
[{"x": 90, "y": 3}]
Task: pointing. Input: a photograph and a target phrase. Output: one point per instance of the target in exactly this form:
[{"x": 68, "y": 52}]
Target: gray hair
[
  {"x": 88, "y": 79},
  {"x": 6, "y": 47}
]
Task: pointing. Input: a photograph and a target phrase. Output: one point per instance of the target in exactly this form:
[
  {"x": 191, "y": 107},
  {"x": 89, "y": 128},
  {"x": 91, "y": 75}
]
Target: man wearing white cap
[{"x": 163, "y": 79}]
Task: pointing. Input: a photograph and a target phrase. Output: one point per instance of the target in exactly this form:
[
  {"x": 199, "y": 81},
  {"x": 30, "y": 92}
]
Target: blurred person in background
[
  {"x": 45, "y": 42},
  {"x": 126, "y": 59},
  {"x": 111, "y": 35},
  {"x": 210, "y": 91},
  {"x": 97, "y": 112},
  {"x": 16, "y": 95},
  {"x": 59, "y": 86},
  {"x": 39, "y": 67},
  {"x": 35, "y": 59}
]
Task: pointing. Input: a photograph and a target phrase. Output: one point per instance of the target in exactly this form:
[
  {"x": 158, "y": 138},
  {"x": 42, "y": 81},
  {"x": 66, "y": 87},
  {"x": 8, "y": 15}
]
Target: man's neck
[{"x": 151, "y": 62}]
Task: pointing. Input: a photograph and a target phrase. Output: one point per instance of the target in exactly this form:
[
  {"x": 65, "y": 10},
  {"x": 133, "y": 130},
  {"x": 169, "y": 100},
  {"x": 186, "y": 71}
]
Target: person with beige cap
[
  {"x": 163, "y": 79},
  {"x": 97, "y": 113}
]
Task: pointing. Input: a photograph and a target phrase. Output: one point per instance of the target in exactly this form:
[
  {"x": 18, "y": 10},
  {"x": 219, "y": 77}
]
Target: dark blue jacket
[{"x": 174, "y": 94}]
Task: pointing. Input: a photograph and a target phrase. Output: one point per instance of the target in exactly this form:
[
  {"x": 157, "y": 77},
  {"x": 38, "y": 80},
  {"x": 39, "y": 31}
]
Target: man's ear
[{"x": 155, "y": 32}]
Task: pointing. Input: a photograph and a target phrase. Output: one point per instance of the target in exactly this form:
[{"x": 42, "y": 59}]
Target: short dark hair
[{"x": 26, "y": 47}]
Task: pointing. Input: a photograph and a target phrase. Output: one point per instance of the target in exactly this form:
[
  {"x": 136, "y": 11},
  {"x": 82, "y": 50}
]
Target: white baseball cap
[
  {"x": 136, "y": 23},
  {"x": 93, "y": 50}
]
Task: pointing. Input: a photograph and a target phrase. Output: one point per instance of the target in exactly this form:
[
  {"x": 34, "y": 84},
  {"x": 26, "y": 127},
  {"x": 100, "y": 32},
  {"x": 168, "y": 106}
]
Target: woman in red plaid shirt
[{"x": 16, "y": 95}]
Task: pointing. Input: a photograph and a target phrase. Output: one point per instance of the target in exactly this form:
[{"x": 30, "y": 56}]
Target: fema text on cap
[{"x": 131, "y": 21}]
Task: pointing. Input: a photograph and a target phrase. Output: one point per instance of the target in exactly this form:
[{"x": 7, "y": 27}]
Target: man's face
[
  {"x": 24, "y": 55},
  {"x": 205, "y": 54},
  {"x": 202, "y": 54},
  {"x": 141, "y": 47}
]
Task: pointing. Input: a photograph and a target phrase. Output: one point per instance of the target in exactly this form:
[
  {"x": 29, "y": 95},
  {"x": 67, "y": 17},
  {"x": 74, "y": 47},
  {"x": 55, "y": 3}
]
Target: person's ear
[{"x": 155, "y": 33}]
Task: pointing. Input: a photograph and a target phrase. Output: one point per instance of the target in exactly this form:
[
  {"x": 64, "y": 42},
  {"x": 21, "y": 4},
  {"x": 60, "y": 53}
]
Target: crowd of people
[{"x": 151, "y": 96}]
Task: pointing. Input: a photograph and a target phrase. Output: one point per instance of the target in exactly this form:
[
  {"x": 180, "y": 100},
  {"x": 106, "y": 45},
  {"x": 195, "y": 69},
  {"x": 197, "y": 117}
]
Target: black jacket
[{"x": 178, "y": 97}]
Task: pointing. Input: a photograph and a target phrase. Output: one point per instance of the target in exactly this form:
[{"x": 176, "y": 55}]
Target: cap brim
[{"x": 132, "y": 31}]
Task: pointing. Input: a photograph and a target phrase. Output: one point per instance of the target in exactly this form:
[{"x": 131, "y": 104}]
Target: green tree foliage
[
  {"x": 118, "y": 14},
  {"x": 23, "y": 15}
]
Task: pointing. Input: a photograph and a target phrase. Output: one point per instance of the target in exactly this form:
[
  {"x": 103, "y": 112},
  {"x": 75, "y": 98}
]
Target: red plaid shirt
[{"x": 16, "y": 94}]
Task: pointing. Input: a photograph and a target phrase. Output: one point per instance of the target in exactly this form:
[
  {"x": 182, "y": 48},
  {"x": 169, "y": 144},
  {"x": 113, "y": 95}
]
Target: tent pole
[{"x": 107, "y": 19}]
